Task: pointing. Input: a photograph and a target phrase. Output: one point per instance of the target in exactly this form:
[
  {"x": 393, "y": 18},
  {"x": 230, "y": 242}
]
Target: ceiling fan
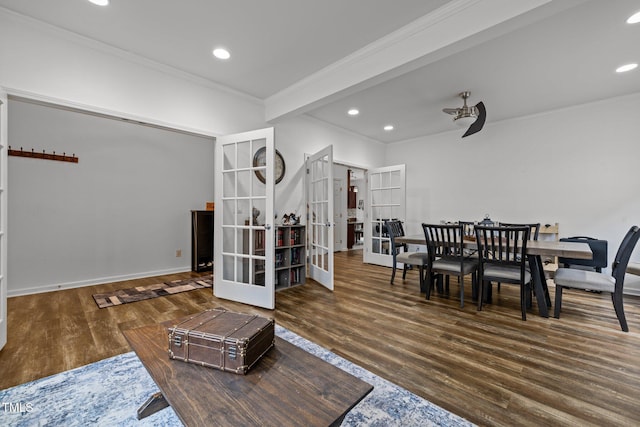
[{"x": 473, "y": 116}]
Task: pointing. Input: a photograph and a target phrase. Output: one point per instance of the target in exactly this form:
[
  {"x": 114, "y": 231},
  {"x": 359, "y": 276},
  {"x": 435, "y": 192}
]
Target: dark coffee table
[{"x": 287, "y": 387}]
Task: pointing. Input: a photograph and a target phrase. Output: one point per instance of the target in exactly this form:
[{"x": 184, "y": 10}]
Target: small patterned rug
[{"x": 140, "y": 293}]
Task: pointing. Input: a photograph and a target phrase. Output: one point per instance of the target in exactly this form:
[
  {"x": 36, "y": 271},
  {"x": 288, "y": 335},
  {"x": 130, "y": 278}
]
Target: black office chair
[{"x": 572, "y": 278}]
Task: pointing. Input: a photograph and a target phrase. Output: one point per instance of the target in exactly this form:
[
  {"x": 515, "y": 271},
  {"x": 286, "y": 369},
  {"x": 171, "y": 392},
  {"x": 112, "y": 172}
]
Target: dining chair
[
  {"x": 572, "y": 278},
  {"x": 534, "y": 233},
  {"x": 447, "y": 257},
  {"x": 401, "y": 255},
  {"x": 502, "y": 252}
]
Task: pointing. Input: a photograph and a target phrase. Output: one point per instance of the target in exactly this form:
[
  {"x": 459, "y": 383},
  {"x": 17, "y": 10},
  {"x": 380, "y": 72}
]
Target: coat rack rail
[{"x": 43, "y": 155}]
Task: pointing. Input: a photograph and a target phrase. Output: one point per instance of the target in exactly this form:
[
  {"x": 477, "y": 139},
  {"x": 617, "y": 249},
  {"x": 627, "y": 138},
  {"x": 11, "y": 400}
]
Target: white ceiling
[{"x": 398, "y": 62}]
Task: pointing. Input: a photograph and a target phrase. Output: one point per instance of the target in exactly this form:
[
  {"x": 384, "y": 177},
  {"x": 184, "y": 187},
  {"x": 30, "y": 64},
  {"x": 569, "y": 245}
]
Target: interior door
[
  {"x": 243, "y": 226},
  {"x": 3, "y": 217},
  {"x": 320, "y": 228},
  {"x": 386, "y": 199}
]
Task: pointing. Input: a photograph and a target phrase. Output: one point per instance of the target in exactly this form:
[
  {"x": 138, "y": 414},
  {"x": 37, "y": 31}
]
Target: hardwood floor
[{"x": 489, "y": 367}]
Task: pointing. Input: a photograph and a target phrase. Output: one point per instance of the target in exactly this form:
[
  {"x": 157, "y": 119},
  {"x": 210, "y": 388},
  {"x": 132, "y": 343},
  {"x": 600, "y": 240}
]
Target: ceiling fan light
[{"x": 464, "y": 121}]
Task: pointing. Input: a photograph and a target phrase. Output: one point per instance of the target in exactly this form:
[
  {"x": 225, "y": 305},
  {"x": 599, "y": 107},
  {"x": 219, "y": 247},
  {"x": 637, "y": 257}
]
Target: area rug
[
  {"x": 109, "y": 392},
  {"x": 140, "y": 293}
]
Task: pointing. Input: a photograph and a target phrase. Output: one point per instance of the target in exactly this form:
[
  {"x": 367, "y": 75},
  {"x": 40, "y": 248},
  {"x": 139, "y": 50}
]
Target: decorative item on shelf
[
  {"x": 293, "y": 219},
  {"x": 260, "y": 160},
  {"x": 255, "y": 213},
  {"x": 37, "y": 155}
]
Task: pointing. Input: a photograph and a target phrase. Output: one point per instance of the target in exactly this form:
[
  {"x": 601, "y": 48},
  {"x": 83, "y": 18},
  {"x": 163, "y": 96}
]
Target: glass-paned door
[
  {"x": 320, "y": 228},
  {"x": 386, "y": 200},
  {"x": 243, "y": 226},
  {"x": 3, "y": 217}
]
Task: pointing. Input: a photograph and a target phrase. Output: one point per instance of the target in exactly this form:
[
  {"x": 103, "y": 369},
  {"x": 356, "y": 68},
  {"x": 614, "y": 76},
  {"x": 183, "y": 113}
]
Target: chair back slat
[
  {"x": 393, "y": 229},
  {"x": 444, "y": 240},
  {"x": 620, "y": 262},
  {"x": 502, "y": 244}
]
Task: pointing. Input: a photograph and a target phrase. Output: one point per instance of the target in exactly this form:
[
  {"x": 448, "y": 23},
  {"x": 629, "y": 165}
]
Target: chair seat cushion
[
  {"x": 449, "y": 266},
  {"x": 583, "y": 279},
  {"x": 505, "y": 274},
  {"x": 413, "y": 258}
]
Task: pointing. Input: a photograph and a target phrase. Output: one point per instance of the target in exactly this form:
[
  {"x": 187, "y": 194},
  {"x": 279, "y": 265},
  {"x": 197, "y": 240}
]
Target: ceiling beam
[{"x": 458, "y": 25}]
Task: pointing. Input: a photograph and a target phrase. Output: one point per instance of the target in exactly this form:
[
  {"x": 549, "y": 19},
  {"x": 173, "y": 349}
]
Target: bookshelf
[{"x": 290, "y": 257}]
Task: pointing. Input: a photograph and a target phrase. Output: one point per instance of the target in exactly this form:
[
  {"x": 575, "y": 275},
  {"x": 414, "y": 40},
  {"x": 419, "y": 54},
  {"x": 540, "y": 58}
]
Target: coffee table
[{"x": 287, "y": 387}]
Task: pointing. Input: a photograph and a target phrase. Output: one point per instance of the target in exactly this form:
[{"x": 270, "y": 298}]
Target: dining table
[{"x": 535, "y": 250}]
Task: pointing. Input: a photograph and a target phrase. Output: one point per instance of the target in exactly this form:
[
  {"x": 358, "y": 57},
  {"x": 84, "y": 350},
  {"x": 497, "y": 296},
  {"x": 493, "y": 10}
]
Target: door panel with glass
[
  {"x": 243, "y": 267},
  {"x": 320, "y": 227},
  {"x": 386, "y": 200}
]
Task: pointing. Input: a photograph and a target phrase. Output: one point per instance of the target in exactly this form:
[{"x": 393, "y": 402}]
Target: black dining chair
[
  {"x": 502, "y": 253},
  {"x": 447, "y": 257},
  {"x": 401, "y": 255},
  {"x": 534, "y": 233},
  {"x": 573, "y": 278}
]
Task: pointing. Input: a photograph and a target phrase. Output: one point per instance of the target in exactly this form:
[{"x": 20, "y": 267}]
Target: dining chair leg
[
  {"x": 404, "y": 273},
  {"x": 393, "y": 270},
  {"x": 619, "y": 308},
  {"x": 558, "y": 302},
  {"x": 523, "y": 301}
]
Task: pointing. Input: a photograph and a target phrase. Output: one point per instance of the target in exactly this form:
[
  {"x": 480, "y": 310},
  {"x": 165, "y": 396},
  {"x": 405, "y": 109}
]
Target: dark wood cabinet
[{"x": 201, "y": 240}]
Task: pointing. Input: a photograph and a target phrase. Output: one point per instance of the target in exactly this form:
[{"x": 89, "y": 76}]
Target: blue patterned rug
[{"x": 109, "y": 392}]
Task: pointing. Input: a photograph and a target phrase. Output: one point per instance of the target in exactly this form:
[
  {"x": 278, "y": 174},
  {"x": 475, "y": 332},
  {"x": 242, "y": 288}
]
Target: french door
[
  {"x": 243, "y": 226},
  {"x": 3, "y": 217},
  {"x": 320, "y": 227},
  {"x": 386, "y": 199}
]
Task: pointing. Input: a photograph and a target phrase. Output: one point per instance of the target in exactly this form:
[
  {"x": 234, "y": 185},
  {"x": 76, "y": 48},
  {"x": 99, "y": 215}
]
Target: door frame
[{"x": 4, "y": 143}]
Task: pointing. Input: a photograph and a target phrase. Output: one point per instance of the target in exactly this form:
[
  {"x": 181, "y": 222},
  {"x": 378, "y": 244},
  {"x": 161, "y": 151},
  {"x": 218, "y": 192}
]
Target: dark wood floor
[{"x": 489, "y": 367}]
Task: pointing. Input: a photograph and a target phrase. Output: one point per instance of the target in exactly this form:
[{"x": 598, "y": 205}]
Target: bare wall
[
  {"x": 122, "y": 211},
  {"x": 576, "y": 166}
]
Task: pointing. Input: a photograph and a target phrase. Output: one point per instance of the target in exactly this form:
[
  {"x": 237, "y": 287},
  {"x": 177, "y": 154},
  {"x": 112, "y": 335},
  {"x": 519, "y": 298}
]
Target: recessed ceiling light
[
  {"x": 625, "y": 68},
  {"x": 634, "y": 19},
  {"x": 100, "y": 2},
  {"x": 353, "y": 112},
  {"x": 221, "y": 53},
  {"x": 388, "y": 128}
]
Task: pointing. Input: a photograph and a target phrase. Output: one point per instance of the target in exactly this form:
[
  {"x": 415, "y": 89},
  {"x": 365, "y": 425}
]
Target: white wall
[
  {"x": 122, "y": 211},
  {"x": 134, "y": 227},
  {"x": 577, "y": 166},
  {"x": 302, "y": 135}
]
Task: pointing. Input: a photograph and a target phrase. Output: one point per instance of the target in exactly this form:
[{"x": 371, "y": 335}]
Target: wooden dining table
[{"x": 535, "y": 250}]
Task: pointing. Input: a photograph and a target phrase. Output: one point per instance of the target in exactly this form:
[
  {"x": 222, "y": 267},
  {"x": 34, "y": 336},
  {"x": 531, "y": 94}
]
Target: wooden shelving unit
[
  {"x": 289, "y": 261},
  {"x": 290, "y": 256}
]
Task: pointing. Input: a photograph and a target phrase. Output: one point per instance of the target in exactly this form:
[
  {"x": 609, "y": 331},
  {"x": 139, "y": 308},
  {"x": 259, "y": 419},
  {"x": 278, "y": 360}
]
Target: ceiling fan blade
[
  {"x": 451, "y": 110},
  {"x": 479, "y": 123}
]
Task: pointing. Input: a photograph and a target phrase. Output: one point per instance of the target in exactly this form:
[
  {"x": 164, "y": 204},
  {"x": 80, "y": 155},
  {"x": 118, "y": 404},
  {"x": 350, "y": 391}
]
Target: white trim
[
  {"x": 34, "y": 98},
  {"x": 38, "y": 289}
]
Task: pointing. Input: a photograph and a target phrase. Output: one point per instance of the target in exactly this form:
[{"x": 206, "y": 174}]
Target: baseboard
[{"x": 92, "y": 282}]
